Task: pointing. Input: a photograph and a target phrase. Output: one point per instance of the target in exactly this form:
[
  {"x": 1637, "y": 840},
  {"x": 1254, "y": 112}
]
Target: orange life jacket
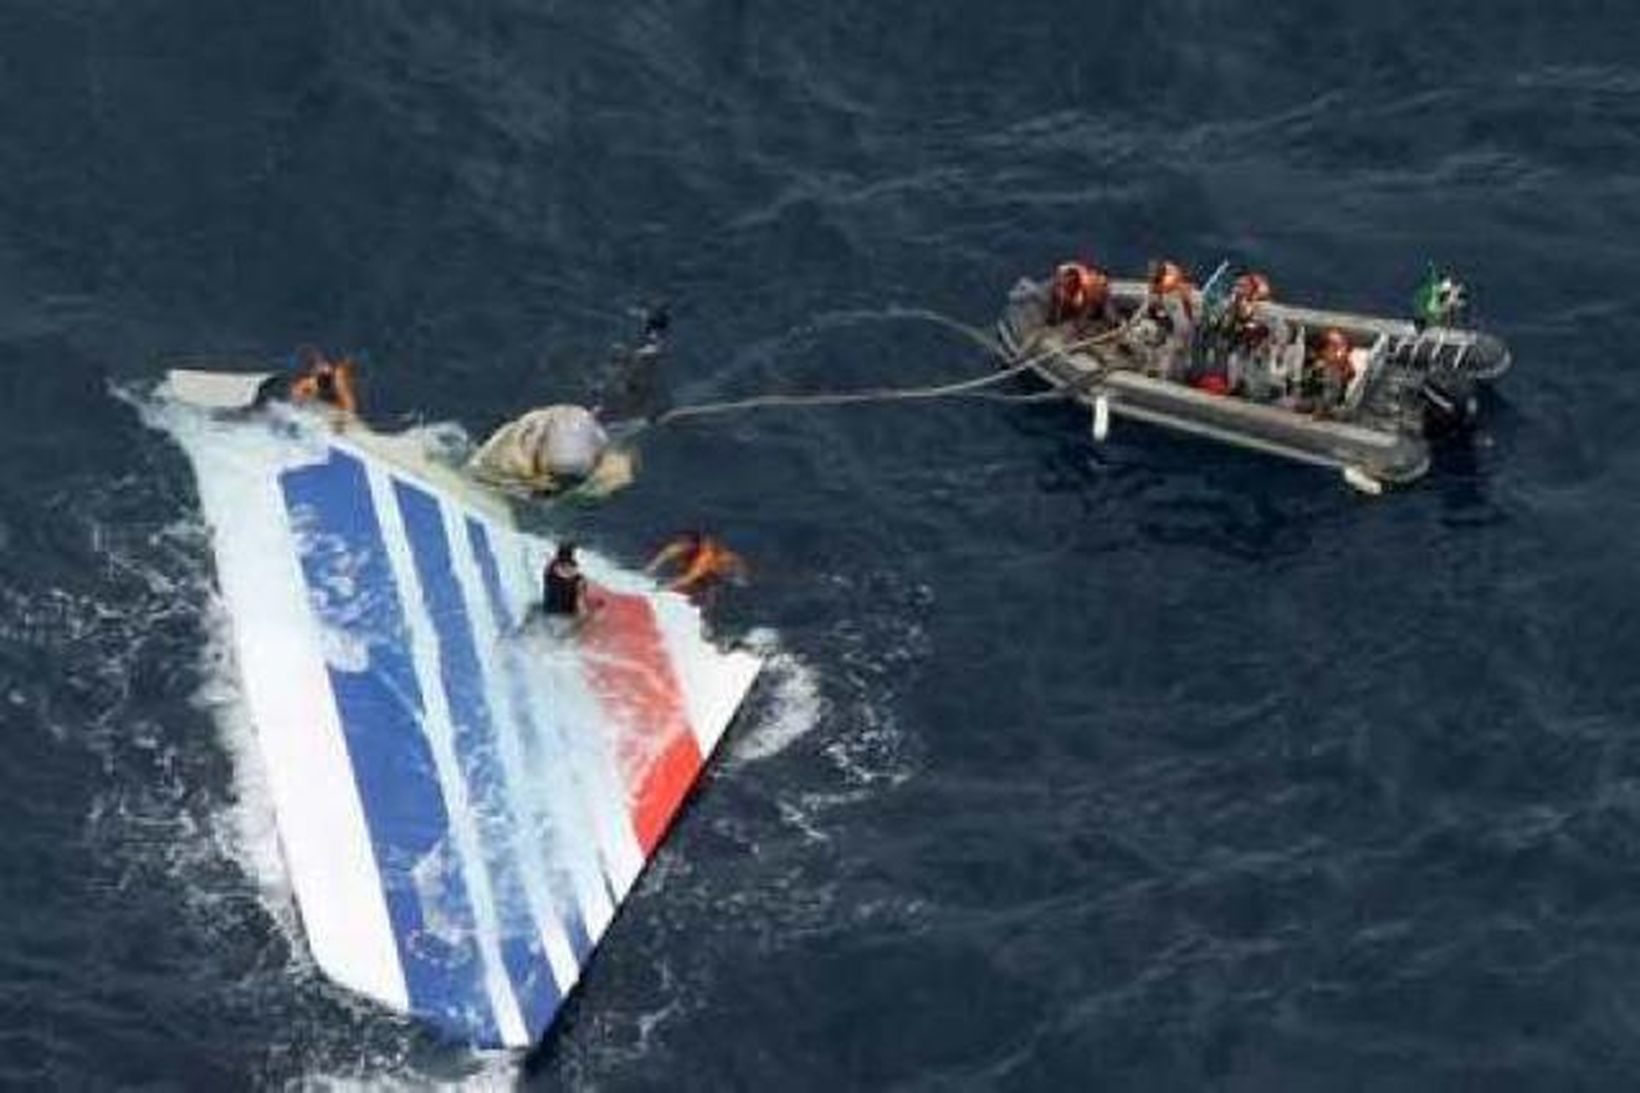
[
  {"x": 709, "y": 561},
  {"x": 1078, "y": 289},
  {"x": 1169, "y": 279},
  {"x": 328, "y": 383}
]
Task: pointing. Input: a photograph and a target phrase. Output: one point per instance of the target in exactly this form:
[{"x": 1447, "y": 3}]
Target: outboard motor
[
  {"x": 1452, "y": 361},
  {"x": 1448, "y": 388},
  {"x": 1450, "y": 404}
]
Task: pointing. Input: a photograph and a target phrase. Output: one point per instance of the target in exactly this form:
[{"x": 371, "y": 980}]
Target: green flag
[
  {"x": 1440, "y": 299},
  {"x": 1427, "y": 304}
]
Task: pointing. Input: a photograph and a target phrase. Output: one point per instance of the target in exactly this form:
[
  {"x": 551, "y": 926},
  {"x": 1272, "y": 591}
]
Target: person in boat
[
  {"x": 699, "y": 562},
  {"x": 1170, "y": 300},
  {"x": 563, "y": 588},
  {"x": 1329, "y": 374},
  {"x": 1170, "y": 311},
  {"x": 1249, "y": 338},
  {"x": 314, "y": 379},
  {"x": 1231, "y": 338},
  {"x": 1080, "y": 296},
  {"x": 1249, "y": 290}
]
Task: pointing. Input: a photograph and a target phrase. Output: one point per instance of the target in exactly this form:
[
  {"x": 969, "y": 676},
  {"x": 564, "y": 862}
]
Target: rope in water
[
  {"x": 967, "y": 388},
  {"x": 845, "y": 398}
]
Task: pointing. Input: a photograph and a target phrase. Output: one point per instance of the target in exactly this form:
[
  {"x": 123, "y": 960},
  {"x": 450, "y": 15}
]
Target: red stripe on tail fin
[{"x": 628, "y": 669}]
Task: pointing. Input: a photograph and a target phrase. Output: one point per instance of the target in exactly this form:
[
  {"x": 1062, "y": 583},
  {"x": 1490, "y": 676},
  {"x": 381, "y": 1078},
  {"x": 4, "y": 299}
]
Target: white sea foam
[
  {"x": 481, "y": 1074},
  {"x": 245, "y": 832},
  {"x": 247, "y": 818},
  {"x": 793, "y": 709}
]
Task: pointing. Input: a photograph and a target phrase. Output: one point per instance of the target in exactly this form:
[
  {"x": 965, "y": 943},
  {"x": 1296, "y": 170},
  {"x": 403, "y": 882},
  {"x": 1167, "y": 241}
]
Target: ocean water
[{"x": 1145, "y": 766}]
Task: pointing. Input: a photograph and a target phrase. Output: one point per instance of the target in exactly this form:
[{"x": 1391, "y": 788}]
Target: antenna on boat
[
  {"x": 1216, "y": 291},
  {"x": 1215, "y": 296}
]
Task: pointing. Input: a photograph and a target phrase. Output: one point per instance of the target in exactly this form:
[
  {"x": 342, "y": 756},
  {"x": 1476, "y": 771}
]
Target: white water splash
[
  {"x": 794, "y": 706},
  {"x": 374, "y": 1074},
  {"x": 247, "y": 817}
]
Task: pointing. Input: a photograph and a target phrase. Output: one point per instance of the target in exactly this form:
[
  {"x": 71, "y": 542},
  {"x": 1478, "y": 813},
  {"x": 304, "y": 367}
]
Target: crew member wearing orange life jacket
[
  {"x": 1170, "y": 296},
  {"x": 699, "y": 560},
  {"x": 1171, "y": 311},
  {"x": 1081, "y": 293},
  {"x": 326, "y": 381}
]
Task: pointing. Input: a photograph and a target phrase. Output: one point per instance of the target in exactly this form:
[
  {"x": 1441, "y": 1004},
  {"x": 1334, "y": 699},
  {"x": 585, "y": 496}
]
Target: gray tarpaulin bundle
[{"x": 542, "y": 451}]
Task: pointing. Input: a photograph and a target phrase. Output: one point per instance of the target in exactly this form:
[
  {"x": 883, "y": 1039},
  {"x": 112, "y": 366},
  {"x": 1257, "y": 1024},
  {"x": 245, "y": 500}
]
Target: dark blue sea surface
[{"x": 1147, "y": 766}]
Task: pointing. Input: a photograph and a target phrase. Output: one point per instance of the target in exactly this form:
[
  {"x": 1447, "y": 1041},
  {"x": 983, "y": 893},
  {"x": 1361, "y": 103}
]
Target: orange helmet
[
  {"x": 1166, "y": 277},
  {"x": 1252, "y": 288}
]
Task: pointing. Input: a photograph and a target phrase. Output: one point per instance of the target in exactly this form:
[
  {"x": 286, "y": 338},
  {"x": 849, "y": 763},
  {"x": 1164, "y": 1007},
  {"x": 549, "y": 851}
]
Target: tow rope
[{"x": 974, "y": 387}]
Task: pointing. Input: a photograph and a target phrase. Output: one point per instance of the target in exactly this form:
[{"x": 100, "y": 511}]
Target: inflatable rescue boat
[{"x": 1397, "y": 384}]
